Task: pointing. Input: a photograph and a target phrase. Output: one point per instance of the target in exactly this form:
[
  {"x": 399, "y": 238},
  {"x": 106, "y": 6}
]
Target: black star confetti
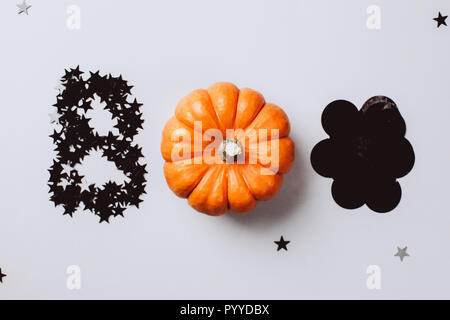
[
  {"x": 401, "y": 253},
  {"x": 282, "y": 244},
  {"x": 23, "y": 7},
  {"x": 76, "y": 139},
  {"x": 440, "y": 20},
  {"x": 2, "y": 275},
  {"x": 365, "y": 154}
]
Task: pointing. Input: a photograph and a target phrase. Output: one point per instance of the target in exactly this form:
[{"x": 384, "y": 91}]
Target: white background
[{"x": 301, "y": 55}]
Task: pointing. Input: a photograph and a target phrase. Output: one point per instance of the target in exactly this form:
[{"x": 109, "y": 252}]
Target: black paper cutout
[
  {"x": 76, "y": 139},
  {"x": 365, "y": 154}
]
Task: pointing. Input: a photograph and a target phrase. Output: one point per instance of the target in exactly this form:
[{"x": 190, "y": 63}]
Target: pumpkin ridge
[
  {"x": 168, "y": 131},
  {"x": 211, "y": 113},
  {"x": 171, "y": 168},
  {"x": 243, "y": 201},
  {"x": 214, "y": 112},
  {"x": 210, "y": 185},
  {"x": 200, "y": 178},
  {"x": 190, "y": 127},
  {"x": 204, "y": 134},
  {"x": 225, "y": 190},
  {"x": 248, "y": 91},
  {"x": 185, "y": 123},
  {"x": 286, "y": 134},
  {"x": 265, "y": 140},
  {"x": 224, "y": 97},
  {"x": 219, "y": 123},
  {"x": 245, "y": 180},
  {"x": 254, "y": 117},
  {"x": 235, "y": 111},
  {"x": 281, "y": 140}
]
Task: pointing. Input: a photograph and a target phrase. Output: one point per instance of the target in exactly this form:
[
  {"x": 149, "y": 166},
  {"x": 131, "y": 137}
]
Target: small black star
[
  {"x": 440, "y": 20},
  {"x": 282, "y": 244},
  {"x": 2, "y": 275},
  {"x": 76, "y": 72},
  {"x": 86, "y": 105}
]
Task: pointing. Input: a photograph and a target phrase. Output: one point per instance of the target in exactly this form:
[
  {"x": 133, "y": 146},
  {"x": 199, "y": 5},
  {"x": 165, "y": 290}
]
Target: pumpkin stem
[{"x": 230, "y": 150}]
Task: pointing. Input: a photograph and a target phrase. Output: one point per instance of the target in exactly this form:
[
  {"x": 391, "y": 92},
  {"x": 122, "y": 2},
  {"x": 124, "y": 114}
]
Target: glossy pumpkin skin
[{"x": 215, "y": 188}]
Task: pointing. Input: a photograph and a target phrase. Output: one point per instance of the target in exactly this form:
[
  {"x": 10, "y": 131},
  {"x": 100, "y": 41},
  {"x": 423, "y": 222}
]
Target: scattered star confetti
[
  {"x": 282, "y": 244},
  {"x": 77, "y": 138},
  {"x": 23, "y": 7},
  {"x": 2, "y": 275},
  {"x": 401, "y": 253},
  {"x": 440, "y": 20}
]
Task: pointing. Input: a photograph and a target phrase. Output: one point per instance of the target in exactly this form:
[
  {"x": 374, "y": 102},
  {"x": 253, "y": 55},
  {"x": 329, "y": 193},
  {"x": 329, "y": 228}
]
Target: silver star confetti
[
  {"x": 54, "y": 117},
  {"x": 401, "y": 253},
  {"x": 23, "y": 7}
]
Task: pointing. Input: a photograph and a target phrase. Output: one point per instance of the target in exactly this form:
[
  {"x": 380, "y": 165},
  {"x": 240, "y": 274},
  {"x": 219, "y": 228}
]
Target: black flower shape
[{"x": 365, "y": 154}]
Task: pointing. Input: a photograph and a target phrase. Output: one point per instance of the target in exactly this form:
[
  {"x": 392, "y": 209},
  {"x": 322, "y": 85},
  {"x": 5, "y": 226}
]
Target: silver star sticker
[
  {"x": 54, "y": 117},
  {"x": 23, "y": 7},
  {"x": 401, "y": 253}
]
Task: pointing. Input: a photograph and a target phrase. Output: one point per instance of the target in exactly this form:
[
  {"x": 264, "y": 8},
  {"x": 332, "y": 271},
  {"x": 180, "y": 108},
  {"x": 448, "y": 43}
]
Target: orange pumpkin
[{"x": 226, "y": 148}]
